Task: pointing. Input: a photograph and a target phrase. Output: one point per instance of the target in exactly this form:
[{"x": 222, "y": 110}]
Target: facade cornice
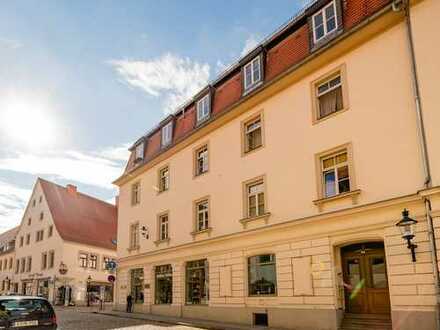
[{"x": 288, "y": 224}]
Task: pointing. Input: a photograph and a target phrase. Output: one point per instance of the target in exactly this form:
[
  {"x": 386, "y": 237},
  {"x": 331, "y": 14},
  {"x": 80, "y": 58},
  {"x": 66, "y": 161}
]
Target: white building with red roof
[{"x": 63, "y": 246}]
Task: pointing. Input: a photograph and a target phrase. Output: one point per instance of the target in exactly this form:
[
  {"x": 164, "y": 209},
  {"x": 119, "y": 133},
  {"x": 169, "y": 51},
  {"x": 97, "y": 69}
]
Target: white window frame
[
  {"x": 167, "y": 134},
  {"x": 163, "y": 227},
  {"x": 139, "y": 151},
  {"x": 136, "y": 193},
  {"x": 203, "y": 108},
  {"x": 204, "y": 224},
  {"x": 334, "y": 168},
  {"x": 256, "y": 195},
  {"x": 81, "y": 260},
  {"x": 324, "y": 21},
  {"x": 249, "y": 85},
  {"x": 250, "y": 127},
  {"x": 202, "y": 155},
  {"x": 134, "y": 235},
  {"x": 164, "y": 179}
]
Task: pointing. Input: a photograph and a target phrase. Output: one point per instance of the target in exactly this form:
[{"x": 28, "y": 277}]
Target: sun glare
[{"x": 28, "y": 123}]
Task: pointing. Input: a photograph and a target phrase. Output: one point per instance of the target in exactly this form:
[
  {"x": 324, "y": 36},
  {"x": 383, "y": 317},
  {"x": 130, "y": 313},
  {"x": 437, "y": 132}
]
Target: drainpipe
[{"x": 405, "y": 5}]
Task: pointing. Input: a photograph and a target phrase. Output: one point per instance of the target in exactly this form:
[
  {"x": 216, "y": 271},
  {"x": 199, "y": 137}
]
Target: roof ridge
[{"x": 78, "y": 192}]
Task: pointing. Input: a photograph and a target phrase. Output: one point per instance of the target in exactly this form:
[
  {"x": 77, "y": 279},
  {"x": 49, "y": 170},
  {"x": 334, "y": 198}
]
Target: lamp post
[
  {"x": 407, "y": 228},
  {"x": 89, "y": 279}
]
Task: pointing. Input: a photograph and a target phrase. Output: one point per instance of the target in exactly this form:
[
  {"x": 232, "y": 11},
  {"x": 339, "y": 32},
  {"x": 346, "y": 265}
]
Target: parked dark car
[{"x": 26, "y": 313}]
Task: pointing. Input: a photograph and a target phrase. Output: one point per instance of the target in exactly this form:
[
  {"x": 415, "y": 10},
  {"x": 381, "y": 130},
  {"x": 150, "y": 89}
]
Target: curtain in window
[{"x": 330, "y": 102}]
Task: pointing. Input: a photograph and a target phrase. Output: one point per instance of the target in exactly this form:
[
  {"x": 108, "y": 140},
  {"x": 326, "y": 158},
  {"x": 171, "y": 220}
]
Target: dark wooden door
[{"x": 366, "y": 289}]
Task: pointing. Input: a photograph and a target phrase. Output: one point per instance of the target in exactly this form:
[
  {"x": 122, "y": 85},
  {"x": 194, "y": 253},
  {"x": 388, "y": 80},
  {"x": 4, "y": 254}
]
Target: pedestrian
[{"x": 129, "y": 303}]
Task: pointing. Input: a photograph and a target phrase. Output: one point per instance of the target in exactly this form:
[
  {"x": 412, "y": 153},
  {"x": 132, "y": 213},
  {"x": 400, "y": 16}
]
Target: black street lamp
[
  {"x": 407, "y": 228},
  {"x": 89, "y": 279}
]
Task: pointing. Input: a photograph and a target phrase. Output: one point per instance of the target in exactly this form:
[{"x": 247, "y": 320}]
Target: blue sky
[{"x": 81, "y": 80}]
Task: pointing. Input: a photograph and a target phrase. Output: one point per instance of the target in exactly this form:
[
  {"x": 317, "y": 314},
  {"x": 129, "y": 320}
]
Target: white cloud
[
  {"x": 174, "y": 78},
  {"x": 9, "y": 43},
  {"x": 94, "y": 168},
  {"x": 98, "y": 169},
  {"x": 13, "y": 200},
  {"x": 251, "y": 42}
]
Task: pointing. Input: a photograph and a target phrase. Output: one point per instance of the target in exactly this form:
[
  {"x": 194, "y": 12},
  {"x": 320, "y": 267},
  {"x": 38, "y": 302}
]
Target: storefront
[{"x": 43, "y": 288}]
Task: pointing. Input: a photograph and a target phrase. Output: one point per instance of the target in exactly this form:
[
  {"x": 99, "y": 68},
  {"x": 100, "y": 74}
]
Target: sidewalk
[{"x": 203, "y": 324}]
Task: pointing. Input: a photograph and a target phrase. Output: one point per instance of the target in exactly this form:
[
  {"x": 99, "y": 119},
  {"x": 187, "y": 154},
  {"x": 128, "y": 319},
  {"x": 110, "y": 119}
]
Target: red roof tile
[
  {"x": 8, "y": 236},
  {"x": 81, "y": 218}
]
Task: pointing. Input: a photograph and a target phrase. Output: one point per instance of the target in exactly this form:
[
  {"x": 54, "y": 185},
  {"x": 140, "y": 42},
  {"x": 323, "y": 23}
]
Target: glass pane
[
  {"x": 256, "y": 70},
  {"x": 319, "y": 32},
  {"x": 197, "y": 282},
  {"x": 331, "y": 25},
  {"x": 344, "y": 186},
  {"x": 354, "y": 272},
  {"x": 335, "y": 81},
  {"x": 329, "y": 162},
  {"x": 262, "y": 275},
  {"x": 378, "y": 272},
  {"x": 260, "y": 204},
  {"x": 248, "y": 75},
  {"x": 329, "y": 12},
  {"x": 137, "y": 285},
  {"x": 342, "y": 158},
  {"x": 318, "y": 19},
  {"x": 343, "y": 172},
  {"x": 329, "y": 184}
]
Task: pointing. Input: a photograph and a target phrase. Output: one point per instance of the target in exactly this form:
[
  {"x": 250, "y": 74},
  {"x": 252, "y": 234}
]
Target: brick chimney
[{"x": 71, "y": 189}]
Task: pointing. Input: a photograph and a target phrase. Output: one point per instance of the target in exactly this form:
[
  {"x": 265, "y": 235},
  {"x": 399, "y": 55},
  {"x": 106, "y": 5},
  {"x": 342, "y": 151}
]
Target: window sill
[
  {"x": 264, "y": 217},
  {"x": 207, "y": 231},
  {"x": 162, "y": 241},
  {"x": 250, "y": 89},
  {"x": 160, "y": 192},
  {"x": 203, "y": 120},
  {"x": 251, "y": 151},
  {"x": 274, "y": 295},
  {"x": 319, "y": 120},
  {"x": 326, "y": 39},
  {"x": 351, "y": 194}
]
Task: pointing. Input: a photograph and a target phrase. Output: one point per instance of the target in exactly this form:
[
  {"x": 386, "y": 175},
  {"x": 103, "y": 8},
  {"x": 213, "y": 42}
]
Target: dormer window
[
  {"x": 203, "y": 108},
  {"x": 324, "y": 22},
  {"x": 167, "y": 134},
  {"x": 139, "y": 151},
  {"x": 252, "y": 73}
]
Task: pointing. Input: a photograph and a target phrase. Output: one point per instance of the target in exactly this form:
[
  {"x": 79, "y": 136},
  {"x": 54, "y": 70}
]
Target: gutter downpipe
[{"x": 424, "y": 152}]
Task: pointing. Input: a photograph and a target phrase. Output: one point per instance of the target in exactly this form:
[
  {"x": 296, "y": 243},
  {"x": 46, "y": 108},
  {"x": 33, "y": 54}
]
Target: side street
[{"x": 295, "y": 187}]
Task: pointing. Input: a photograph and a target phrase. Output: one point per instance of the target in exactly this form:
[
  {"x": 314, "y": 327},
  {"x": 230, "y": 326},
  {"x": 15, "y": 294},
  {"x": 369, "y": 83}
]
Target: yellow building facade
[{"x": 281, "y": 210}]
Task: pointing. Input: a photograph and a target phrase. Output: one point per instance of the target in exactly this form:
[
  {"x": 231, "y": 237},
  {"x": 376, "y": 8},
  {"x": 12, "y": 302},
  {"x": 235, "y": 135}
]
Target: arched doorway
[{"x": 365, "y": 278}]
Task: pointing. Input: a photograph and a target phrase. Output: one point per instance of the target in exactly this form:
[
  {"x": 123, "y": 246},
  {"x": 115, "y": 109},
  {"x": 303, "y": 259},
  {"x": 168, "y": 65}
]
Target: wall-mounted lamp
[{"x": 407, "y": 227}]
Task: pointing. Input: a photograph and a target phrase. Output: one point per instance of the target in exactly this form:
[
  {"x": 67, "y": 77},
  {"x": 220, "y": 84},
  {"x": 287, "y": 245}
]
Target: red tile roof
[
  {"x": 287, "y": 47},
  {"x": 9, "y": 235},
  {"x": 81, "y": 218}
]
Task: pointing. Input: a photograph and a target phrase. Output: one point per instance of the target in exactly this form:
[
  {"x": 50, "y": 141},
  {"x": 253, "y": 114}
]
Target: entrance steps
[{"x": 366, "y": 322}]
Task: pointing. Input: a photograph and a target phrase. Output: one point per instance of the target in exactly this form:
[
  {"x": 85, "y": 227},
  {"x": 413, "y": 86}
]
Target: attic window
[
  {"x": 324, "y": 22},
  {"x": 252, "y": 73},
  {"x": 140, "y": 151},
  {"x": 167, "y": 134},
  {"x": 203, "y": 108}
]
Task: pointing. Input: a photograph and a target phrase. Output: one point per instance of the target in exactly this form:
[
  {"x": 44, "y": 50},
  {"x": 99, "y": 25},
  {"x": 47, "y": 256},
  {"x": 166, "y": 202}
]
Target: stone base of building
[
  {"x": 410, "y": 320},
  {"x": 283, "y": 318}
]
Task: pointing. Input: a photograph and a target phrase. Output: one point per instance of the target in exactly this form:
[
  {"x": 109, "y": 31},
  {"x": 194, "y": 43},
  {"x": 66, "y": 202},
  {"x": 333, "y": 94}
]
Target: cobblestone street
[{"x": 82, "y": 319}]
